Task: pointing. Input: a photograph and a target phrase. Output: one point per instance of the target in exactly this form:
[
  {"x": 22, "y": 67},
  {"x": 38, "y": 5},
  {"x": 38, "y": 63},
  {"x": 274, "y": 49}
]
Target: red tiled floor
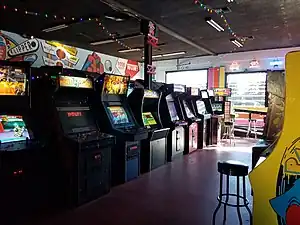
[{"x": 182, "y": 192}]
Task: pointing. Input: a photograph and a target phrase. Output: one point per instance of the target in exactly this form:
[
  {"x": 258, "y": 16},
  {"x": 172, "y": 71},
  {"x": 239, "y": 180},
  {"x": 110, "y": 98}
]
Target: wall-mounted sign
[
  {"x": 222, "y": 92},
  {"x": 254, "y": 64},
  {"x": 179, "y": 88},
  {"x": 75, "y": 82},
  {"x": 234, "y": 66},
  {"x": 31, "y": 45}
]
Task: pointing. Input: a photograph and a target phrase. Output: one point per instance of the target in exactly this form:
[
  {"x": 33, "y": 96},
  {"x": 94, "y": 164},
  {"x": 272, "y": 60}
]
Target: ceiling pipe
[{"x": 113, "y": 4}]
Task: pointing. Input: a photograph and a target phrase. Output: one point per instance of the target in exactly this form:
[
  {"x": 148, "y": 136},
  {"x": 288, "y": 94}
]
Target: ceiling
[{"x": 272, "y": 23}]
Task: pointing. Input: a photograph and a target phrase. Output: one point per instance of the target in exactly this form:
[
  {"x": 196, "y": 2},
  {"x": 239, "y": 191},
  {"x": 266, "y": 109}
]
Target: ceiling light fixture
[
  {"x": 214, "y": 24},
  {"x": 59, "y": 27},
  {"x": 102, "y": 42},
  {"x": 129, "y": 50},
  {"x": 173, "y": 54},
  {"x": 230, "y": 1},
  {"x": 167, "y": 55},
  {"x": 236, "y": 43}
]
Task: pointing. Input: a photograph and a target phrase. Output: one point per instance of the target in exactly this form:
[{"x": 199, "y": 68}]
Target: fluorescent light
[
  {"x": 114, "y": 18},
  {"x": 166, "y": 55},
  {"x": 129, "y": 50},
  {"x": 157, "y": 56},
  {"x": 174, "y": 53},
  {"x": 59, "y": 27},
  {"x": 236, "y": 43},
  {"x": 230, "y": 1},
  {"x": 102, "y": 42},
  {"x": 214, "y": 24}
]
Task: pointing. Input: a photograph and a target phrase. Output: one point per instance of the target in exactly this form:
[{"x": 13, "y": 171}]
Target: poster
[{"x": 14, "y": 47}]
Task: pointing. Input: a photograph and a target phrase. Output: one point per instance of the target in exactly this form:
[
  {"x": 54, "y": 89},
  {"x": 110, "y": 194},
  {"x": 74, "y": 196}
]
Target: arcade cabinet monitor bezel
[{"x": 220, "y": 103}]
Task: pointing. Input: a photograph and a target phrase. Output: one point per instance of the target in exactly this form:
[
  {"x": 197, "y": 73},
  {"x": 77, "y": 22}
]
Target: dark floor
[{"x": 180, "y": 193}]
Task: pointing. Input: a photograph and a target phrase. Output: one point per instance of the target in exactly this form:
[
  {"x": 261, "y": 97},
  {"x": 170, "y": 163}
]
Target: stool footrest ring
[{"x": 245, "y": 200}]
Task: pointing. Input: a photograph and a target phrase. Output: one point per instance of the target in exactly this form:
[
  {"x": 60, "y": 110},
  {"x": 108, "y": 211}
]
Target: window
[
  {"x": 195, "y": 78},
  {"x": 248, "y": 89}
]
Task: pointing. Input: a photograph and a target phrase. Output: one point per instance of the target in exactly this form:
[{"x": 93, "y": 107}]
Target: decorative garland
[
  {"x": 220, "y": 13},
  {"x": 66, "y": 18}
]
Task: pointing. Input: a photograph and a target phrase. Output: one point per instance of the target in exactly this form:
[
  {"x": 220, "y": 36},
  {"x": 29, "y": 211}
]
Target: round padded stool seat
[{"x": 233, "y": 168}]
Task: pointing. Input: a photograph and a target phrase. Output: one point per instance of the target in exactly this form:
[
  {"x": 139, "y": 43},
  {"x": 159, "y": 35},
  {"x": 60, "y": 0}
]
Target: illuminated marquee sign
[
  {"x": 75, "y": 82},
  {"x": 150, "y": 94},
  {"x": 194, "y": 91},
  {"x": 223, "y": 92},
  {"x": 150, "y": 30}
]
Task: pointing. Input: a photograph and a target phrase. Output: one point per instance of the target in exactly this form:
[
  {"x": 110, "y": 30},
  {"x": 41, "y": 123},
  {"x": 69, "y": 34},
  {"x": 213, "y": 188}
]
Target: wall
[
  {"x": 243, "y": 59},
  {"x": 14, "y": 47}
]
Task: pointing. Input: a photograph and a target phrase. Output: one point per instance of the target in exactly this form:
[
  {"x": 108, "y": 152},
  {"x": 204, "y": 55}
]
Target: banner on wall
[{"x": 14, "y": 47}]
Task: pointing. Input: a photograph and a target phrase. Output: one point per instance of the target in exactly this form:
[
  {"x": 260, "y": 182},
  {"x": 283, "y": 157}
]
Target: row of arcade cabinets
[{"x": 178, "y": 120}]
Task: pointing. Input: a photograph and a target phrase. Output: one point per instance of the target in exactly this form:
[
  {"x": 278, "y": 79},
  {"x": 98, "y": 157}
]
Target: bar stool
[
  {"x": 229, "y": 129},
  {"x": 237, "y": 169}
]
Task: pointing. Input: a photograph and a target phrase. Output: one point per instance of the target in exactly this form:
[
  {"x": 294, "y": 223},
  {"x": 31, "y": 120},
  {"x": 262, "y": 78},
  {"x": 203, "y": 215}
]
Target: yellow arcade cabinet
[{"x": 275, "y": 181}]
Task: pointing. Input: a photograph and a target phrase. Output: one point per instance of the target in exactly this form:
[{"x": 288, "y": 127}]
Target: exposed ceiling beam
[{"x": 121, "y": 7}]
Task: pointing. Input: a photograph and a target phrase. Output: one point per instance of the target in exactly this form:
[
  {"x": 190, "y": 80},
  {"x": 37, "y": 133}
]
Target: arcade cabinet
[
  {"x": 208, "y": 116},
  {"x": 22, "y": 182},
  {"x": 115, "y": 117},
  {"x": 194, "y": 123},
  {"x": 275, "y": 181},
  {"x": 81, "y": 152},
  {"x": 170, "y": 115},
  {"x": 199, "y": 110},
  {"x": 145, "y": 106}
]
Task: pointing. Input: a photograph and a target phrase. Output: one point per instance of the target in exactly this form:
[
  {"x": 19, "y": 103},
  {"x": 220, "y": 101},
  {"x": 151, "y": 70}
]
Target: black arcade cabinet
[
  {"x": 81, "y": 153},
  {"x": 115, "y": 117},
  {"x": 171, "y": 117},
  {"x": 145, "y": 106},
  {"x": 205, "y": 110},
  {"x": 22, "y": 182},
  {"x": 194, "y": 122}
]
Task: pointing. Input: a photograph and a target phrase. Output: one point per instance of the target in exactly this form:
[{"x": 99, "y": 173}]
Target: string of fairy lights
[
  {"x": 66, "y": 18},
  {"x": 209, "y": 9}
]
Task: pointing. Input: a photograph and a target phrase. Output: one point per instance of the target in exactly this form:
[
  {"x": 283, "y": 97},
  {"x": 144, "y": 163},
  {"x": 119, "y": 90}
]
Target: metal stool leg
[
  {"x": 220, "y": 196},
  {"x": 245, "y": 196},
  {"x": 226, "y": 200},
  {"x": 238, "y": 200}
]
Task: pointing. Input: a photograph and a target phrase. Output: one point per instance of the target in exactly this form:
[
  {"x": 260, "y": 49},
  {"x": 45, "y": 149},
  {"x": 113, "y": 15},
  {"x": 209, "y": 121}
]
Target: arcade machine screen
[
  {"x": 119, "y": 116},
  {"x": 187, "y": 110},
  {"x": 115, "y": 85},
  {"x": 201, "y": 107},
  {"x": 12, "y": 81},
  {"x": 211, "y": 93},
  {"x": 77, "y": 121},
  {"x": 172, "y": 110},
  {"x": 75, "y": 82},
  {"x": 12, "y": 128},
  {"x": 148, "y": 119}
]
